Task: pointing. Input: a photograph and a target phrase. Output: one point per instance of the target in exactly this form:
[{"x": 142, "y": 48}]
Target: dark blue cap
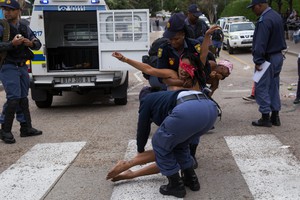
[
  {"x": 254, "y": 2},
  {"x": 193, "y": 8},
  {"x": 13, "y": 4},
  {"x": 174, "y": 25}
]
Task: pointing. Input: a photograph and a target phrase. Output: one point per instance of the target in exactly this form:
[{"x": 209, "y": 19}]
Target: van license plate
[{"x": 79, "y": 79}]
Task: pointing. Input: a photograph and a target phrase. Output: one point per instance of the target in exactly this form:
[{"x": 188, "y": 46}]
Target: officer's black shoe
[
  {"x": 264, "y": 121},
  {"x": 7, "y": 137},
  {"x": 27, "y": 132},
  {"x": 190, "y": 179},
  {"x": 175, "y": 187},
  {"x": 275, "y": 118}
]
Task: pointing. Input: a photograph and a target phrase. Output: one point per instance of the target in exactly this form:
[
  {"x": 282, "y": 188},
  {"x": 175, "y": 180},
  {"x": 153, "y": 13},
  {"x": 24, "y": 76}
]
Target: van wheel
[
  {"x": 230, "y": 49},
  {"x": 45, "y": 104},
  {"x": 223, "y": 46},
  {"x": 121, "y": 101}
]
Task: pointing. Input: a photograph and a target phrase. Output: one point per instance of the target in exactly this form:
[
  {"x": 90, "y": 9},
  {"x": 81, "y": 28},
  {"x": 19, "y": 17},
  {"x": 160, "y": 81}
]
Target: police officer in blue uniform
[
  {"x": 197, "y": 25},
  {"x": 182, "y": 116},
  {"x": 268, "y": 43},
  {"x": 13, "y": 73},
  {"x": 169, "y": 55}
]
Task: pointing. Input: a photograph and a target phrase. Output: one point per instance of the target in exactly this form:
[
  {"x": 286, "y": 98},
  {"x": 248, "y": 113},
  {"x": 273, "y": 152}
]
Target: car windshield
[{"x": 242, "y": 27}]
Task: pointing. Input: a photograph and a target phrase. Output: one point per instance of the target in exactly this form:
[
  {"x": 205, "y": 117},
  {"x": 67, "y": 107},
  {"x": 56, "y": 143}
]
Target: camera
[{"x": 19, "y": 36}]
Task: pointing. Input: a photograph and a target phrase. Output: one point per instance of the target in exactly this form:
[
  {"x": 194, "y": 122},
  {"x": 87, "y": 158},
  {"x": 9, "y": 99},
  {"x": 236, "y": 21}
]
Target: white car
[
  {"x": 223, "y": 20},
  {"x": 238, "y": 35},
  {"x": 204, "y": 19}
]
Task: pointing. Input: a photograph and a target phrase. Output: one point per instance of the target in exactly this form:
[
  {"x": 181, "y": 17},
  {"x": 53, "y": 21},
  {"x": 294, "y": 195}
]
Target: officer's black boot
[
  {"x": 175, "y": 187},
  {"x": 263, "y": 121},
  {"x": 190, "y": 179},
  {"x": 275, "y": 118},
  {"x": 26, "y": 129},
  {"x": 10, "y": 110},
  {"x": 26, "y": 132},
  {"x": 193, "y": 148}
]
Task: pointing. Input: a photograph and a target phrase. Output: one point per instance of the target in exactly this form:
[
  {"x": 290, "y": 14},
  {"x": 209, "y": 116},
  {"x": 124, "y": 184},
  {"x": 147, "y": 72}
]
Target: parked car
[
  {"x": 238, "y": 35},
  {"x": 204, "y": 19},
  {"x": 223, "y": 20}
]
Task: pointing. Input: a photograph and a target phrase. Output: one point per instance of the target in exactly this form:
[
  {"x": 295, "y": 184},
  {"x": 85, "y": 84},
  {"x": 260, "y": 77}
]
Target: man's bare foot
[
  {"x": 123, "y": 176},
  {"x": 120, "y": 167}
]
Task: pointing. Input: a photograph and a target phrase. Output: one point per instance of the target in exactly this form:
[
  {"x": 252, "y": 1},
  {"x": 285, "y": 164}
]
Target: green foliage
[{"x": 239, "y": 8}]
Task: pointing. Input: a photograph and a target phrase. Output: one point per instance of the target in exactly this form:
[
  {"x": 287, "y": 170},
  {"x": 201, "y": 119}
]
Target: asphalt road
[{"x": 107, "y": 129}]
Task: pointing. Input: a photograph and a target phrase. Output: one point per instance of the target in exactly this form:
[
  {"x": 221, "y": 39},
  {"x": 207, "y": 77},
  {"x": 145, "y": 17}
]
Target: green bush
[{"x": 239, "y": 8}]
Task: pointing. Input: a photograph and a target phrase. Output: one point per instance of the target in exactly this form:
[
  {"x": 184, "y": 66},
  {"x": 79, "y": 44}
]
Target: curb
[{"x": 292, "y": 53}]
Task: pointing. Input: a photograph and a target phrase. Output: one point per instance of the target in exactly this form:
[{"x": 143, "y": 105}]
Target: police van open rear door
[{"x": 125, "y": 31}]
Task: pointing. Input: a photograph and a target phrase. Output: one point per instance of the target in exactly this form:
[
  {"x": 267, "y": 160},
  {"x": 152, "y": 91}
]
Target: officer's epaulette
[
  {"x": 261, "y": 18},
  {"x": 162, "y": 47},
  {"x": 159, "y": 52},
  {"x": 198, "y": 47}
]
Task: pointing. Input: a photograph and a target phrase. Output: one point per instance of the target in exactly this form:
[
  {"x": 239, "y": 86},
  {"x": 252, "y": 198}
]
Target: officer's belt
[
  {"x": 20, "y": 64},
  {"x": 191, "y": 97},
  {"x": 268, "y": 55}
]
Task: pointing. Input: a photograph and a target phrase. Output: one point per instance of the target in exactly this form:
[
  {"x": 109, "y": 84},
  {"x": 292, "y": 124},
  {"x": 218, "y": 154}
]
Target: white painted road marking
[
  {"x": 270, "y": 170},
  {"x": 35, "y": 173},
  {"x": 146, "y": 187}
]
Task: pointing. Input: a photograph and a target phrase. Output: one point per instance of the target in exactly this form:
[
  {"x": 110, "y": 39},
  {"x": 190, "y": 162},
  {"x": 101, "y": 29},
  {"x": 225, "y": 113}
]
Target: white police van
[{"x": 78, "y": 38}]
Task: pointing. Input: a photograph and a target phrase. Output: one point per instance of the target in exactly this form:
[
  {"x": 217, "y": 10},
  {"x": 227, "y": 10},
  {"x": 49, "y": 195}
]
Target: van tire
[
  {"x": 223, "y": 46},
  {"x": 121, "y": 101},
  {"x": 230, "y": 49},
  {"x": 45, "y": 104}
]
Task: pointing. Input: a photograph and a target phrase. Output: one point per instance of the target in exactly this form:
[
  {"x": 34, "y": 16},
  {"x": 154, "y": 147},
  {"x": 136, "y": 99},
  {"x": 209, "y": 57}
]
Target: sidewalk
[{"x": 292, "y": 48}]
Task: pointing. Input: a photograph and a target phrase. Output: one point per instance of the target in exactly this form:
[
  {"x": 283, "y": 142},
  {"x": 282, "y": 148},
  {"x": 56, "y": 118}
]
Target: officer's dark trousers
[
  {"x": 187, "y": 121},
  {"x": 16, "y": 83},
  {"x": 267, "y": 89},
  {"x": 298, "y": 87},
  {"x": 19, "y": 114}
]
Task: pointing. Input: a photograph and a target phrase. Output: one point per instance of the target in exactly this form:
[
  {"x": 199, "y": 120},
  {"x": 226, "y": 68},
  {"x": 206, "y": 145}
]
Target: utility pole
[{"x": 215, "y": 12}]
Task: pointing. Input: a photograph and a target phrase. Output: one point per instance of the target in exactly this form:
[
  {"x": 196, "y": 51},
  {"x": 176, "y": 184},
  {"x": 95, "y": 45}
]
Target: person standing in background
[
  {"x": 217, "y": 40},
  {"x": 297, "y": 100},
  {"x": 196, "y": 24},
  {"x": 267, "y": 46}
]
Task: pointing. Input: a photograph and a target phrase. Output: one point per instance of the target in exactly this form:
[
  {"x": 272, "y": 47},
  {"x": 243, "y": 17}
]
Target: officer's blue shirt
[
  {"x": 29, "y": 31},
  {"x": 168, "y": 57},
  {"x": 268, "y": 36},
  {"x": 29, "y": 35},
  {"x": 199, "y": 28},
  {"x": 155, "y": 107}
]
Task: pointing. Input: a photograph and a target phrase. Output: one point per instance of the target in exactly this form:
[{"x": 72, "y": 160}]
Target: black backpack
[
  {"x": 151, "y": 58},
  {"x": 5, "y": 38},
  {"x": 217, "y": 35}
]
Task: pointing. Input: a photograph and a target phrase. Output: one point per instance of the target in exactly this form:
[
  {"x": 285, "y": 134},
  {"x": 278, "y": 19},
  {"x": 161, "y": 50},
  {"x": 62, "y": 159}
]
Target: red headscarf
[{"x": 188, "y": 68}]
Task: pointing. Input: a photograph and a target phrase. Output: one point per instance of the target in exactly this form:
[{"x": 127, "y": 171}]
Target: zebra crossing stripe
[
  {"x": 36, "y": 172},
  {"x": 269, "y": 168},
  {"x": 146, "y": 187}
]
